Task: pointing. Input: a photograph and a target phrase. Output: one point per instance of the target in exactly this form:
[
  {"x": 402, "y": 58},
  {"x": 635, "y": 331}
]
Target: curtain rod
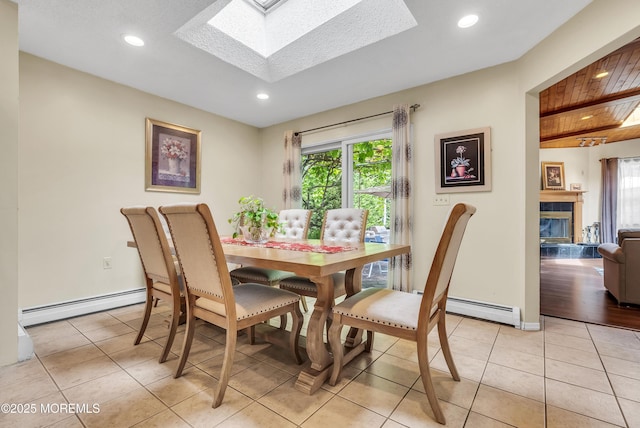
[
  {"x": 627, "y": 157},
  {"x": 413, "y": 107}
]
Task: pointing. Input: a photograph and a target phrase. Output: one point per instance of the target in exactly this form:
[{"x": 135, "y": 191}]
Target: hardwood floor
[{"x": 574, "y": 289}]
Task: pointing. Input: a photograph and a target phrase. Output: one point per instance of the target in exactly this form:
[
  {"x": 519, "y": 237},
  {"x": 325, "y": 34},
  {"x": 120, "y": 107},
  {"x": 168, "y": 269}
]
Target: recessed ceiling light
[
  {"x": 262, "y": 96},
  {"x": 602, "y": 74},
  {"x": 133, "y": 40},
  {"x": 468, "y": 21},
  {"x": 586, "y": 117}
]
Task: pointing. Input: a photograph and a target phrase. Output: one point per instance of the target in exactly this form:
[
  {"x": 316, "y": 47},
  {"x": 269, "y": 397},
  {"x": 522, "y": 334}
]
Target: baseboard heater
[
  {"x": 483, "y": 310},
  {"x": 73, "y": 308}
]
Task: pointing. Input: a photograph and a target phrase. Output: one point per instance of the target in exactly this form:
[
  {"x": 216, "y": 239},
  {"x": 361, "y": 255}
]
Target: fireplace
[
  {"x": 556, "y": 226},
  {"x": 561, "y": 226},
  {"x": 566, "y": 207}
]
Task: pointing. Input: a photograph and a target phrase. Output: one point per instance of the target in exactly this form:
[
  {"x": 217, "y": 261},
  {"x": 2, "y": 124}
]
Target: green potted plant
[{"x": 256, "y": 222}]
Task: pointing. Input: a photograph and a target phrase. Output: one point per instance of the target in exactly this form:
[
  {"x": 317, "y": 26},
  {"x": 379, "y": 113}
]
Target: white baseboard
[
  {"x": 530, "y": 326},
  {"x": 483, "y": 310},
  {"x": 58, "y": 311},
  {"x": 25, "y": 345}
]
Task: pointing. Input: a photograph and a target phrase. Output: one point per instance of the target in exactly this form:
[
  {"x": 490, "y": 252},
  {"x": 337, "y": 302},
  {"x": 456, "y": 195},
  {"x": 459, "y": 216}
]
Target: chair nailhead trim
[
  {"x": 350, "y": 315},
  {"x": 293, "y": 300}
]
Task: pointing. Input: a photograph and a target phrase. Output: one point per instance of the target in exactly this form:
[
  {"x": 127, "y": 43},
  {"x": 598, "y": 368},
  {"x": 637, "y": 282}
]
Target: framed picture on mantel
[{"x": 553, "y": 176}]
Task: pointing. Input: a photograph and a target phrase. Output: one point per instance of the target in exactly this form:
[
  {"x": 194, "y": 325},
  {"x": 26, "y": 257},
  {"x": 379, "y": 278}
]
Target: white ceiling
[{"x": 87, "y": 35}]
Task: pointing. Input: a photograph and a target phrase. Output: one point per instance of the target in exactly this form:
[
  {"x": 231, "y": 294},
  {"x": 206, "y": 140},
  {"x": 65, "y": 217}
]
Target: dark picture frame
[
  {"x": 463, "y": 161},
  {"x": 172, "y": 158},
  {"x": 553, "y": 176}
]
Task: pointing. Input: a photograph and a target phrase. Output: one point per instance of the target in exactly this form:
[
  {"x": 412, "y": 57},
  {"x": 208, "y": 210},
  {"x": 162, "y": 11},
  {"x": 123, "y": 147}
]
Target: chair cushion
[
  {"x": 383, "y": 306},
  {"x": 165, "y": 288},
  {"x": 305, "y": 284},
  {"x": 252, "y": 299},
  {"x": 259, "y": 275}
]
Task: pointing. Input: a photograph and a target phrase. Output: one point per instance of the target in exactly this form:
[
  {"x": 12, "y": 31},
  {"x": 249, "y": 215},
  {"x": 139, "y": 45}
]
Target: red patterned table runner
[{"x": 294, "y": 246}]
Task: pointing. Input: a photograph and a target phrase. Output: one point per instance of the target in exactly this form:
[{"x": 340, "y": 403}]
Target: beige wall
[
  {"x": 484, "y": 98},
  {"x": 82, "y": 151},
  {"x": 499, "y": 261},
  {"x": 9, "y": 177}
]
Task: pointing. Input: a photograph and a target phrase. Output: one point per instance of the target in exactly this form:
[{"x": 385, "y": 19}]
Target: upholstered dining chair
[
  {"x": 405, "y": 315},
  {"x": 161, "y": 275},
  {"x": 295, "y": 225},
  {"x": 341, "y": 225},
  {"x": 210, "y": 295}
]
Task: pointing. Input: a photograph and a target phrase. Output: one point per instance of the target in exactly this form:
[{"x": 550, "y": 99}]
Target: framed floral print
[
  {"x": 172, "y": 158},
  {"x": 463, "y": 161},
  {"x": 552, "y": 176}
]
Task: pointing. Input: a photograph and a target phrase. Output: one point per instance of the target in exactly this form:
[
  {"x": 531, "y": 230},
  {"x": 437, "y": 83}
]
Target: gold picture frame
[
  {"x": 553, "y": 176},
  {"x": 172, "y": 161}
]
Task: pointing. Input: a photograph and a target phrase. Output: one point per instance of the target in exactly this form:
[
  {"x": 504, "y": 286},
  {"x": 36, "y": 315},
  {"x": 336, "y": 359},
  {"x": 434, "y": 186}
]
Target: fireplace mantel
[{"x": 573, "y": 196}]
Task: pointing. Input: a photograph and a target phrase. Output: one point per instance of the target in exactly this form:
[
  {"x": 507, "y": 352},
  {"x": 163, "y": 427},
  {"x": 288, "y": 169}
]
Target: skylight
[
  {"x": 295, "y": 35},
  {"x": 268, "y": 33}
]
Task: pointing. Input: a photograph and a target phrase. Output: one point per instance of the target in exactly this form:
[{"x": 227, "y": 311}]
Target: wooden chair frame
[
  {"x": 431, "y": 313},
  {"x": 202, "y": 260},
  {"x": 158, "y": 266}
]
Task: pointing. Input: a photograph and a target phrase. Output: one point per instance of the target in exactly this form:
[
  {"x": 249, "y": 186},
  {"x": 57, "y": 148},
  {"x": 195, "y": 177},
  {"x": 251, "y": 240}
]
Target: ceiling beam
[
  {"x": 582, "y": 132},
  {"x": 623, "y": 97}
]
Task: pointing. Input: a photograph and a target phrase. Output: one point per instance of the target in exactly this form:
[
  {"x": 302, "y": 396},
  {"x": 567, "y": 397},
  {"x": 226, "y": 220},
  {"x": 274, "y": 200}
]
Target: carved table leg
[
  {"x": 312, "y": 379},
  {"x": 353, "y": 285}
]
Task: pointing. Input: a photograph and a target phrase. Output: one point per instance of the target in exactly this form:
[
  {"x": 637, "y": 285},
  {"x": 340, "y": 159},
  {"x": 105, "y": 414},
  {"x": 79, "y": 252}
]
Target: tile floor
[{"x": 570, "y": 374}]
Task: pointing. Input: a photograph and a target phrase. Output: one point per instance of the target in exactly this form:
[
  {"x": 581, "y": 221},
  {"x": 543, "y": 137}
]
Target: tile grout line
[{"x": 606, "y": 372}]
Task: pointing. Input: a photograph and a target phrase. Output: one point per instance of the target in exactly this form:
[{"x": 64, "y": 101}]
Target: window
[
  {"x": 351, "y": 173},
  {"x": 628, "y": 193}
]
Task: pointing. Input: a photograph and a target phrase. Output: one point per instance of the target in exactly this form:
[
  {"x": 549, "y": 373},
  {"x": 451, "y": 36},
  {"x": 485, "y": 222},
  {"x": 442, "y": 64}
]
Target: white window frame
[{"x": 346, "y": 145}]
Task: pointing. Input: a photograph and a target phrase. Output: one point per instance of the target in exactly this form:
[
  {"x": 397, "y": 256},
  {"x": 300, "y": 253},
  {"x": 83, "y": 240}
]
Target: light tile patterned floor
[{"x": 570, "y": 374}]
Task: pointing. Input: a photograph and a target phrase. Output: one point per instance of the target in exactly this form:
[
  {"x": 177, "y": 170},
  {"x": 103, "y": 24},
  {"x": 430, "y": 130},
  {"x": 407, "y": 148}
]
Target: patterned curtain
[
  {"x": 291, "y": 167},
  {"x": 401, "y": 197},
  {"x": 608, "y": 228}
]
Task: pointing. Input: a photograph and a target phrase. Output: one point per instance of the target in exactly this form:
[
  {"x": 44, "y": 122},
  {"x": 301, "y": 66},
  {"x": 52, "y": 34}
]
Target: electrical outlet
[
  {"x": 442, "y": 199},
  {"x": 106, "y": 263}
]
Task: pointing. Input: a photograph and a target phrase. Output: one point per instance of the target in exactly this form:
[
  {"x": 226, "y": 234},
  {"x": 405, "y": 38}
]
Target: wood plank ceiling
[{"x": 584, "y": 106}]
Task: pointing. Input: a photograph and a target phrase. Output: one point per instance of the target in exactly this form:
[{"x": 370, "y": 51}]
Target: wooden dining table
[
  {"x": 318, "y": 267},
  {"x": 316, "y": 262}
]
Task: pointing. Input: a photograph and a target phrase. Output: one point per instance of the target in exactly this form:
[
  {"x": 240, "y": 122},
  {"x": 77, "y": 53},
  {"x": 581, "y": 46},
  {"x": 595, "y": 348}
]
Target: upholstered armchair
[{"x": 621, "y": 264}]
